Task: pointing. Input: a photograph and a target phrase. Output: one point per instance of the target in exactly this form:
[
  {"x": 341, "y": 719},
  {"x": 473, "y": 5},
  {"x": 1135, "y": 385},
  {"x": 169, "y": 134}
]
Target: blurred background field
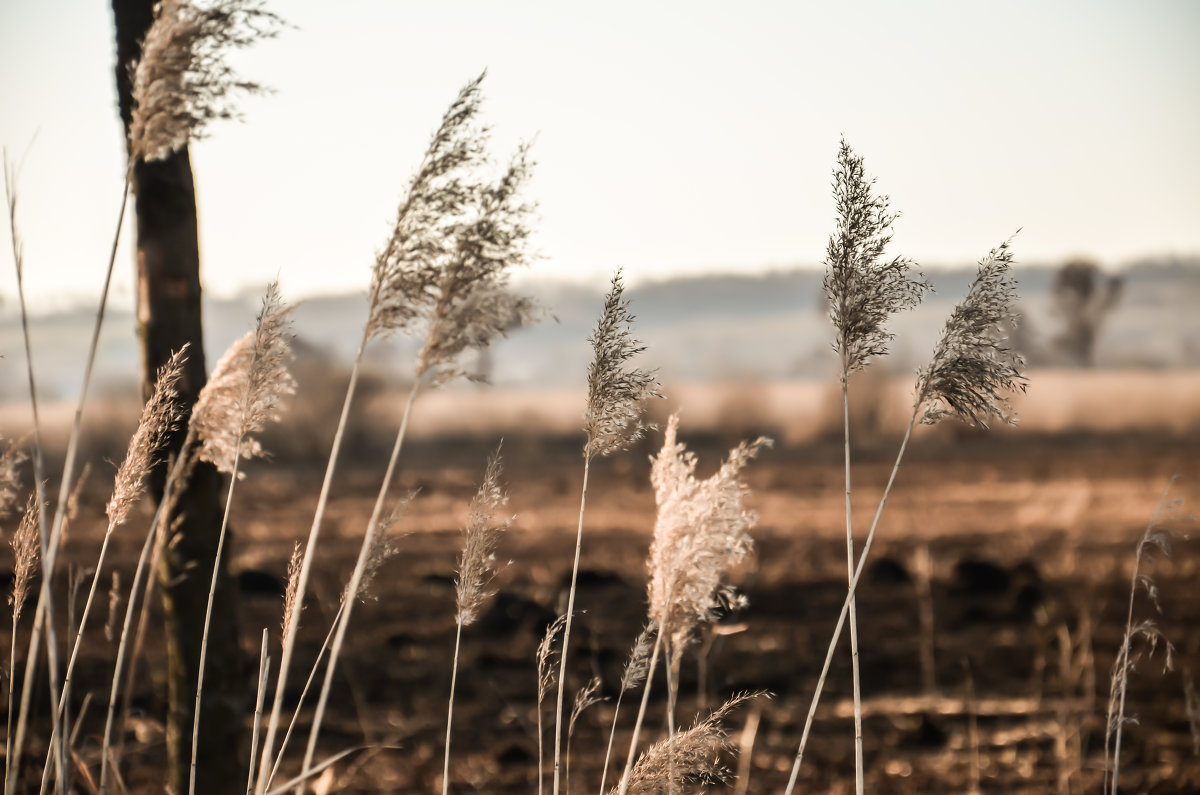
[{"x": 990, "y": 616}]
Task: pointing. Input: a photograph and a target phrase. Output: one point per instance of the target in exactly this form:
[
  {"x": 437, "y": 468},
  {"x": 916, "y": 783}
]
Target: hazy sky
[{"x": 671, "y": 137}]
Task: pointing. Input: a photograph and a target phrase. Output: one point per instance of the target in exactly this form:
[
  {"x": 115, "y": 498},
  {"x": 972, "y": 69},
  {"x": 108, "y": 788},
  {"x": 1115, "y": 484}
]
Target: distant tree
[{"x": 1084, "y": 298}]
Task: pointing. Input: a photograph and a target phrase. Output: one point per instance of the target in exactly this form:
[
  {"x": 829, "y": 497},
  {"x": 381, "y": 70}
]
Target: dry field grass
[{"x": 989, "y": 619}]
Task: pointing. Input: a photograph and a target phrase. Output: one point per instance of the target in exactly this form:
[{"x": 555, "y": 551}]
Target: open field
[{"x": 998, "y": 552}]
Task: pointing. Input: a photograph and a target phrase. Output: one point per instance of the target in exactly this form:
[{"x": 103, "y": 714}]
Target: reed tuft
[
  {"x": 444, "y": 269},
  {"x": 689, "y": 759},
  {"x": 246, "y": 388},
  {"x": 863, "y": 289},
  {"x": 971, "y": 370},
  {"x": 26, "y": 545},
  {"x": 478, "y": 560},
  {"x": 182, "y": 81},
  {"x": 289, "y": 594},
  {"x": 159, "y": 417},
  {"x": 616, "y": 392},
  {"x": 701, "y": 531}
]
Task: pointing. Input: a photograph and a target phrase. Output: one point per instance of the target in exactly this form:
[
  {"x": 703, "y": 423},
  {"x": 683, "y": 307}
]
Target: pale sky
[{"x": 671, "y": 137}]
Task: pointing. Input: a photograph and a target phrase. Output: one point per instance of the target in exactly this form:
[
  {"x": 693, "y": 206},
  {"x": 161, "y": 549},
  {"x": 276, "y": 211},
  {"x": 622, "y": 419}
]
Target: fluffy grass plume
[
  {"x": 971, "y": 369},
  {"x": 444, "y": 270},
  {"x": 689, "y": 760},
  {"x": 616, "y": 391},
  {"x": 701, "y": 531},
  {"x": 477, "y": 563},
  {"x": 10, "y": 476},
  {"x": 289, "y": 594},
  {"x": 864, "y": 288},
  {"x": 246, "y": 389},
  {"x": 545, "y": 674},
  {"x": 182, "y": 81},
  {"x": 159, "y": 417},
  {"x": 382, "y": 549},
  {"x": 636, "y": 669},
  {"x": 26, "y": 547}
]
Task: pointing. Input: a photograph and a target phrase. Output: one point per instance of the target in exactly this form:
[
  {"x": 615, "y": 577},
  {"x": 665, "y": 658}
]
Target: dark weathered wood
[{"x": 169, "y": 316}]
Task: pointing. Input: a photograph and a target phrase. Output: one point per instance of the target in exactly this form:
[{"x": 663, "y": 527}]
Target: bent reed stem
[
  {"x": 356, "y": 579},
  {"x": 289, "y": 643},
  {"x": 837, "y": 632}
]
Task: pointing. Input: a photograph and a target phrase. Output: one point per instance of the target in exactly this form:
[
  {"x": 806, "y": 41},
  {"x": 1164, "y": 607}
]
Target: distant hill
[{"x": 699, "y": 328}]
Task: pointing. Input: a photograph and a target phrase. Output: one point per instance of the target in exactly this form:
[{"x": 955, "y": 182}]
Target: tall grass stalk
[
  {"x": 43, "y": 616},
  {"x": 617, "y": 393},
  {"x": 968, "y": 375},
  {"x": 863, "y": 290},
  {"x": 475, "y": 571},
  {"x": 356, "y": 577},
  {"x": 1153, "y": 538},
  {"x": 240, "y": 398}
]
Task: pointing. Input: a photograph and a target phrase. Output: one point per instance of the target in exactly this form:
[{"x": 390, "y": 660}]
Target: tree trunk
[{"x": 168, "y": 312}]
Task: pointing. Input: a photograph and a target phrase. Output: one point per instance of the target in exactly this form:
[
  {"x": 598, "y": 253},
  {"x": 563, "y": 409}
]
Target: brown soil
[{"x": 1030, "y": 547}]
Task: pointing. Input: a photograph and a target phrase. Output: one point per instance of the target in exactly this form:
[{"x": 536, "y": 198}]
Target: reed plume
[
  {"x": 289, "y": 594},
  {"x": 971, "y": 369},
  {"x": 26, "y": 545},
  {"x": 478, "y": 560},
  {"x": 862, "y": 287},
  {"x": 160, "y": 416},
  {"x": 687, "y": 761},
  {"x": 586, "y": 696},
  {"x": 616, "y": 392},
  {"x": 182, "y": 82},
  {"x": 701, "y": 531},
  {"x": 26, "y": 548},
  {"x": 246, "y": 389},
  {"x": 11, "y": 459}
]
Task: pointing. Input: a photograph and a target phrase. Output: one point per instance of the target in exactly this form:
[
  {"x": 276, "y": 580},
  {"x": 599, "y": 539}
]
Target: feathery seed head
[
  {"x": 159, "y": 417},
  {"x": 863, "y": 288},
  {"x": 616, "y": 392},
  {"x": 444, "y": 269},
  {"x": 689, "y": 760},
  {"x": 545, "y": 655},
  {"x": 26, "y": 548},
  {"x": 383, "y": 548},
  {"x": 477, "y": 564},
  {"x": 182, "y": 82},
  {"x": 289, "y": 594},
  {"x": 638, "y": 664},
  {"x": 701, "y": 531},
  {"x": 971, "y": 368},
  {"x": 586, "y": 697},
  {"x": 246, "y": 388}
]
